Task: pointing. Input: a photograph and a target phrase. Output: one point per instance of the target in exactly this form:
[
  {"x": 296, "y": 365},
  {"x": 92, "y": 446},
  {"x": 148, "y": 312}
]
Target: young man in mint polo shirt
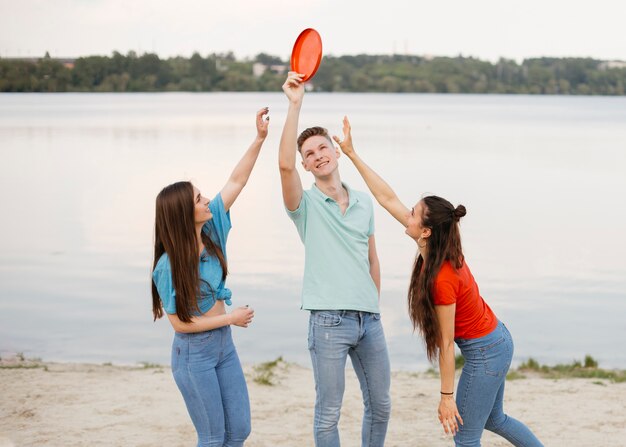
[{"x": 341, "y": 278}]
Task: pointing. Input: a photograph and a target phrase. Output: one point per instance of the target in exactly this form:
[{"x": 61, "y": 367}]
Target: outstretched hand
[
  {"x": 294, "y": 87},
  {"x": 449, "y": 415},
  {"x": 262, "y": 122},
  {"x": 346, "y": 144}
]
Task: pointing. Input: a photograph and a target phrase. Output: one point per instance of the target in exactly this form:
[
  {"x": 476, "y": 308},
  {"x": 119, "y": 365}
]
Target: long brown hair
[
  {"x": 444, "y": 244},
  {"x": 175, "y": 234}
]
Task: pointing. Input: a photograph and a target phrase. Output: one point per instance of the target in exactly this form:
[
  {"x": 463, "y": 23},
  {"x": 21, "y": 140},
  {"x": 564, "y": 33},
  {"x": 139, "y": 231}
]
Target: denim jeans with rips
[{"x": 333, "y": 336}]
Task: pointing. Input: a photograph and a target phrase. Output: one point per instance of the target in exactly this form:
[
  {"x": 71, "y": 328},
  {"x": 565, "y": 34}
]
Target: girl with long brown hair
[
  {"x": 445, "y": 307},
  {"x": 188, "y": 285}
]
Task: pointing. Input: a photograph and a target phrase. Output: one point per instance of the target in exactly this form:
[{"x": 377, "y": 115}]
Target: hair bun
[{"x": 459, "y": 212}]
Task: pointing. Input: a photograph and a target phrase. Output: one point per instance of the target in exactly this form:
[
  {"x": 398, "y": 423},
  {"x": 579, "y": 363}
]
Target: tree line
[{"x": 360, "y": 73}]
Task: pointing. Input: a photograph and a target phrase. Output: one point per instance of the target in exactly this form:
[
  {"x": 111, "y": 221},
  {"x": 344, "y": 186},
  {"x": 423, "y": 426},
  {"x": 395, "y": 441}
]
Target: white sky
[{"x": 487, "y": 29}]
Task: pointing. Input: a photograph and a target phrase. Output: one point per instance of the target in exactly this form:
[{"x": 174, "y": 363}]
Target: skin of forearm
[
  {"x": 446, "y": 367},
  {"x": 379, "y": 188},
  {"x": 242, "y": 171},
  {"x": 287, "y": 154},
  {"x": 375, "y": 274},
  {"x": 202, "y": 323}
]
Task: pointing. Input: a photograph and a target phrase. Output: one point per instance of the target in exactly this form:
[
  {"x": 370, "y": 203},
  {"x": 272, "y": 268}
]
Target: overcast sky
[{"x": 487, "y": 29}]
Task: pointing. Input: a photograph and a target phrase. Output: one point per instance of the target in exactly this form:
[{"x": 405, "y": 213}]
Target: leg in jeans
[
  {"x": 194, "y": 357},
  {"x": 234, "y": 392},
  {"x": 480, "y": 391},
  {"x": 330, "y": 338},
  {"x": 371, "y": 364},
  {"x": 509, "y": 428}
]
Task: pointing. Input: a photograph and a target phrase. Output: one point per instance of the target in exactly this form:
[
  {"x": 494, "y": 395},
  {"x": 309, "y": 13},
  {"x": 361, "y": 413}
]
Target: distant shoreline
[{"x": 354, "y": 73}]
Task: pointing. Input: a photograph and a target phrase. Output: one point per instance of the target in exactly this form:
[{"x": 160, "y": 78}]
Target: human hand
[
  {"x": 294, "y": 87},
  {"x": 242, "y": 316},
  {"x": 346, "y": 143},
  {"x": 449, "y": 415},
  {"x": 262, "y": 122}
]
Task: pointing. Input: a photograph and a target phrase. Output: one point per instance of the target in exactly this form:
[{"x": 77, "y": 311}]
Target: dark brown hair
[
  {"x": 444, "y": 244},
  {"x": 175, "y": 234},
  {"x": 311, "y": 132}
]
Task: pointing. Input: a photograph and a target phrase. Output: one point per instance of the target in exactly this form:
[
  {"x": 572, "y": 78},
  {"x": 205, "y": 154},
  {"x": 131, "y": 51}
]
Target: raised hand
[
  {"x": 449, "y": 415},
  {"x": 262, "y": 122},
  {"x": 294, "y": 87},
  {"x": 242, "y": 316},
  {"x": 346, "y": 143}
]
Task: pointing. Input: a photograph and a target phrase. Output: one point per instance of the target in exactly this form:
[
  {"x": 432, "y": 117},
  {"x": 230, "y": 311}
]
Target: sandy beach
[{"x": 63, "y": 404}]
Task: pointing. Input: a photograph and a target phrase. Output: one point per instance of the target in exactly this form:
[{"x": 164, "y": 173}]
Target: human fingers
[
  {"x": 454, "y": 426},
  {"x": 261, "y": 112},
  {"x": 346, "y": 124},
  {"x": 446, "y": 428},
  {"x": 294, "y": 78}
]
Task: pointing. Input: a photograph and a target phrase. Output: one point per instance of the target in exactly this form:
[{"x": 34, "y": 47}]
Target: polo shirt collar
[{"x": 352, "y": 198}]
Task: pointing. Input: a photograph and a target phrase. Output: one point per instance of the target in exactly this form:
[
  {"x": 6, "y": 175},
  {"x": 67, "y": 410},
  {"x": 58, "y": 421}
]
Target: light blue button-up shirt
[
  {"x": 336, "y": 267},
  {"x": 210, "y": 269}
]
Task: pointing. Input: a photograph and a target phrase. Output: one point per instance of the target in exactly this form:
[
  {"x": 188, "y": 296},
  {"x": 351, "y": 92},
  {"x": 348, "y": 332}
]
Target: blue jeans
[
  {"x": 481, "y": 391},
  {"x": 207, "y": 371},
  {"x": 333, "y": 335}
]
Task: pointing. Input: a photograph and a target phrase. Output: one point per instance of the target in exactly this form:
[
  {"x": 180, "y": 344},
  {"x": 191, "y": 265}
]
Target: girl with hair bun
[{"x": 445, "y": 306}]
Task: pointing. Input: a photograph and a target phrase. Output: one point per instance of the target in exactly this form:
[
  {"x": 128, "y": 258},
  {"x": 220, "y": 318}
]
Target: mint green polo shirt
[{"x": 336, "y": 266}]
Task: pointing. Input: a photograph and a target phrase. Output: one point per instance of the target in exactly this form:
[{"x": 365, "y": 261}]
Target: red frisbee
[{"x": 307, "y": 53}]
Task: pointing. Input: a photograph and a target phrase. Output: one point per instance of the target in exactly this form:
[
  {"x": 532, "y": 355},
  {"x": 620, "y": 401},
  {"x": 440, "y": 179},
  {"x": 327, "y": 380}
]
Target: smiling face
[
  {"x": 319, "y": 156},
  {"x": 414, "y": 227},
  {"x": 201, "y": 207}
]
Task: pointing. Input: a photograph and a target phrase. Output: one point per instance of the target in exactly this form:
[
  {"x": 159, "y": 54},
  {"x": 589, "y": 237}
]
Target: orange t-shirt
[{"x": 473, "y": 318}]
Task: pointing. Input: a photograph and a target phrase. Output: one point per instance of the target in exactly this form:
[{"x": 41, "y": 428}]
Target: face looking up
[
  {"x": 201, "y": 207},
  {"x": 414, "y": 227},
  {"x": 319, "y": 156}
]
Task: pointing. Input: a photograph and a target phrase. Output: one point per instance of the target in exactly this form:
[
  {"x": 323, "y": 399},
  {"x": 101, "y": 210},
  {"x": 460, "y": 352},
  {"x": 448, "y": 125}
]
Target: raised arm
[
  {"x": 379, "y": 188},
  {"x": 289, "y": 177},
  {"x": 240, "y": 175}
]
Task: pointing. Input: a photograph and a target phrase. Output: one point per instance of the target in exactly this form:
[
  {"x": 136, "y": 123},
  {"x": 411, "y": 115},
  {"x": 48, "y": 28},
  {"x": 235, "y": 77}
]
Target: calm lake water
[{"x": 543, "y": 180}]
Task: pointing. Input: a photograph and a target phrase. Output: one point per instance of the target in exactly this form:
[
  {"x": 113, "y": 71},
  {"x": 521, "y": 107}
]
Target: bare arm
[
  {"x": 242, "y": 316},
  {"x": 240, "y": 175},
  {"x": 374, "y": 263},
  {"x": 379, "y": 188},
  {"x": 289, "y": 177},
  {"x": 448, "y": 412}
]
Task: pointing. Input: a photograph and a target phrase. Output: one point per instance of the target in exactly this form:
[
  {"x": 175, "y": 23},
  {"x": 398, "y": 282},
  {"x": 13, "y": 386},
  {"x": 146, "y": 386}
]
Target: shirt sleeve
[
  {"x": 445, "y": 291},
  {"x": 162, "y": 279},
  {"x": 219, "y": 226},
  {"x": 298, "y": 216}
]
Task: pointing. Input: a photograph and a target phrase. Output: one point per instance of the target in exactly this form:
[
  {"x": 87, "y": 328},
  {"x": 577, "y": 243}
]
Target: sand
[{"x": 57, "y": 404}]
